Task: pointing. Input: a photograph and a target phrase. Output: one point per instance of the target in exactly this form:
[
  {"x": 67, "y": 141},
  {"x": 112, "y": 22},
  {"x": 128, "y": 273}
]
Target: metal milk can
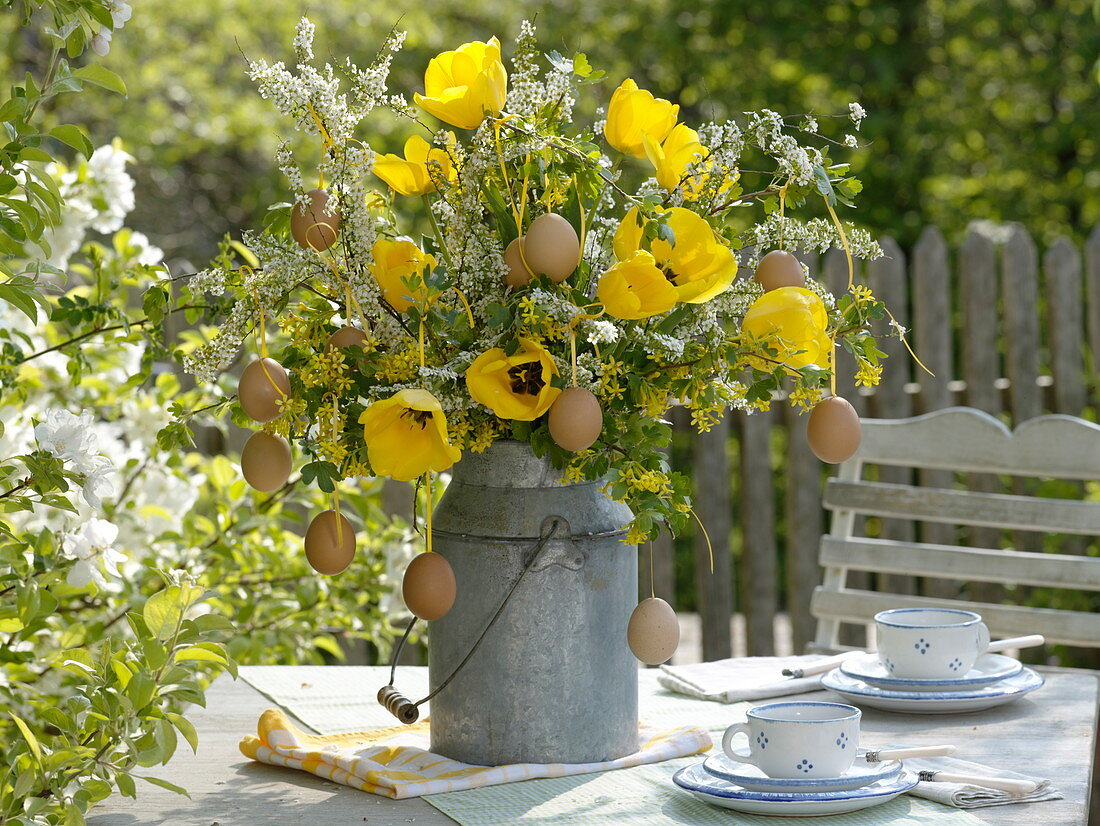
[{"x": 553, "y": 681}]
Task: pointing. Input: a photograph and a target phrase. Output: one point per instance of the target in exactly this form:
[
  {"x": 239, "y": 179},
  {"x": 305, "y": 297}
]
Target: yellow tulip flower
[
  {"x": 406, "y": 436},
  {"x": 698, "y": 264},
  {"x": 410, "y": 175},
  {"x": 395, "y": 262},
  {"x": 672, "y": 157},
  {"x": 514, "y": 387},
  {"x": 635, "y": 113},
  {"x": 636, "y": 288},
  {"x": 793, "y": 320},
  {"x": 464, "y": 86}
]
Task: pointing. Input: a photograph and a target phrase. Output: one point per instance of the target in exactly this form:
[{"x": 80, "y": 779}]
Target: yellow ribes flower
[
  {"x": 463, "y": 86},
  {"x": 698, "y": 264},
  {"x": 793, "y": 321},
  {"x": 514, "y": 387},
  {"x": 634, "y": 113},
  {"x": 406, "y": 436},
  {"x": 672, "y": 157},
  {"x": 395, "y": 262},
  {"x": 411, "y": 175},
  {"x": 636, "y": 288}
]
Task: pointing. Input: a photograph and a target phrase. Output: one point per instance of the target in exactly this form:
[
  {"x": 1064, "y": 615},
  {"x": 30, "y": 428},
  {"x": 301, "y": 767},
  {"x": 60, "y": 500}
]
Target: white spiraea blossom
[{"x": 92, "y": 546}]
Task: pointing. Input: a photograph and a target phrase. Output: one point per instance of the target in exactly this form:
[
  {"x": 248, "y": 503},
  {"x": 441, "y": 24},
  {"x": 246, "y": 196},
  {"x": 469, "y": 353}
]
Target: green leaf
[
  {"x": 163, "y": 612},
  {"x": 186, "y": 728},
  {"x": 126, "y": 785},
  {"x": 164, "y": 784},
  {"x": 74, "y": 137},
  {"x": 101, "y": 77},
  {"x": 200, "y": 654},
  {"x": 140, "y": 690},
  {"x": 28, "y": 735}
]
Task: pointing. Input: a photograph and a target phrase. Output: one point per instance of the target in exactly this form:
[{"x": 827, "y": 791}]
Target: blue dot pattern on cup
[
  {"x": 922, "y": 646},
  {"x": 842, "y": 740},
  {"x": 762, "y": 741},
  {"x": 805, "y": 766},
  {"x": 889, "y": 664},
  {"x": 955, "y": 664}
]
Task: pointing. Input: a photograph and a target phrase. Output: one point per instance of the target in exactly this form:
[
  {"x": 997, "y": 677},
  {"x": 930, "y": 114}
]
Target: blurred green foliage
[{"x": 976, "y": 109}]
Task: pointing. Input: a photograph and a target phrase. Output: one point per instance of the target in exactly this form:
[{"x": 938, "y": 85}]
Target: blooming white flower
[
  {"x": 857, "y": 113},
  {"x": 851, "y": 140},
  {"x": 120, "y": 12},
  {"x": 148, "y": 254},
  {"x": 99, "y": 483},
  {"x": 92, "y": 548},
  {"x": 101, "y": 43},
  {"x": 68, "y": 437}
]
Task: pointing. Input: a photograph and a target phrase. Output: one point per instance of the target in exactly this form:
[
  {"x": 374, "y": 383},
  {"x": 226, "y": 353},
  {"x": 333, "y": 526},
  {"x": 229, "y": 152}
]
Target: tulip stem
[{"x": 438, "y": 236}]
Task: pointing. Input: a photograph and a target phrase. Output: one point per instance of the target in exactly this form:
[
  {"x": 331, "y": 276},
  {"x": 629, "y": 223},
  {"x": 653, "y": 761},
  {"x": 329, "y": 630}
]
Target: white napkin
[
  {"x": 746, "y": 678},
  {"x": 973, "y": 797}
]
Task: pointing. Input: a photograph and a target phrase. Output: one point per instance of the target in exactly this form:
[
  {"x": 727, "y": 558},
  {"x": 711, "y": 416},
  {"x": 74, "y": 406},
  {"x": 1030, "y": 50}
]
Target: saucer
[
  {"x": 932, "y": 702},
  {"x": 988, "y": 669},
  {"x": 750, "y": 777},
  {"x": 710, "y": 789}
]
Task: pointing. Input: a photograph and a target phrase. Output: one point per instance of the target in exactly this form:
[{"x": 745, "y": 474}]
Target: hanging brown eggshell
[
  {"x": 429, "y": 586},
  {"x": 260, "y": 389},
  {"x": 575, "y": 419},
  {"x": 779, "y": 269},
  {"x": 328, "y": 550},
  {"x": 266, "y": 461},
  {"x": 346, "y": 337},
  {"x": 552, "y": 247},
  {"x": 518, "y": 274},
  {"x": 311, "y": 226},
  {"x": 833, "y": 431},
  {"x": 653, "y": 632}
]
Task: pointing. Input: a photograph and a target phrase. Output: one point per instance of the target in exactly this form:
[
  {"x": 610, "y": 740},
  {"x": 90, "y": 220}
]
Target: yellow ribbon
[
  {"x": 843, "y": 242},
  {"x": 428, "y": 509}
]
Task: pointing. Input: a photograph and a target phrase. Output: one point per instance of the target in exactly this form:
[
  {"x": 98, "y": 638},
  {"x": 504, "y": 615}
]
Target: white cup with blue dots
[
  {"x": 796, "y": 739},
  {"x": 930, "y": 643}
]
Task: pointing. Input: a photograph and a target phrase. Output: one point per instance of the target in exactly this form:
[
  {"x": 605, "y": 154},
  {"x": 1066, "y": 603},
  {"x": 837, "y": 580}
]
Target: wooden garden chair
[{"x": 936, "y": 446}]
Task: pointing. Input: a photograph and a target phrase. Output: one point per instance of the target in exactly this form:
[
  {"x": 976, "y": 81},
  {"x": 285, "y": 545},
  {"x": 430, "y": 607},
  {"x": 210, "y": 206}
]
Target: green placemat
[{"x": 645, "y": 796}]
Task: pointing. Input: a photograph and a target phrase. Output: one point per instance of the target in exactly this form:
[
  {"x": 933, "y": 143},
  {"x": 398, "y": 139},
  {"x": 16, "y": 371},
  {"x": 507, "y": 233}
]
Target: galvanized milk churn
[{"x": 554, "y": 680}]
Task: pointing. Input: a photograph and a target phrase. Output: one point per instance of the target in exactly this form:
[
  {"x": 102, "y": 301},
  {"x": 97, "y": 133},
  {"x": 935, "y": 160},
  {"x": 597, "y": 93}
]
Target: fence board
[
  {"x": 711, "y": 472},
  {"x": 981, "y": 368},
  {"x": 891, "y": 401},
  {"x": 1092, "y": 291},
  {"x": 1020, "y": 280},
  {"x": 759, "y": 597},
  {"x": 933, "y": 336},
  {"x": 1065, "y": 325}
]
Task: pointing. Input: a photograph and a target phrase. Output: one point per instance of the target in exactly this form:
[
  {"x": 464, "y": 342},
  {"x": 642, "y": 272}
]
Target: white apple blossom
[
  {"x": 120, "y": 12},
  {"x": 92, "y": 546},
  {"x": 101, "y": 43}
]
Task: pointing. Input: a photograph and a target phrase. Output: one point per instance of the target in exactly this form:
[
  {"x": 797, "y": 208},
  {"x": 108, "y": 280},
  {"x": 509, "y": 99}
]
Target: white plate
[
  {"x": 988, "y": 669},
  {"x": 710, "y": 789},
  {"x": 932, "y": 702},
  {"x": 750, "y": 777}
]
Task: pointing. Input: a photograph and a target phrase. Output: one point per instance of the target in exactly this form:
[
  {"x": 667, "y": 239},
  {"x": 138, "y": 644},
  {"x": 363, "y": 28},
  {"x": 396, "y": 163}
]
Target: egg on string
[
  {"x": 329, "y": 553},
  {"x": 575, "y": 419},
  {"x": 552, "y": 247},
  {"x": 653, "y": 632},
  {"x": 779, "y": 269},
  {"x": 346, "y": 337},
  {"x": 312, "y": 227},
  {"x": 833, "y": 431},
  {"x": 266, "y": 461},
  {"x": 262, "y": 384},
  {"x": 428, "y": 587},
  {"x": 518, "y": 274}
]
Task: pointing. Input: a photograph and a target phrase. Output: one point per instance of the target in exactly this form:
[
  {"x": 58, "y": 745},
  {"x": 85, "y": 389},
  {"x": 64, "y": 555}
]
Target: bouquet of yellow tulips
[{"x": 514, "y": 274}]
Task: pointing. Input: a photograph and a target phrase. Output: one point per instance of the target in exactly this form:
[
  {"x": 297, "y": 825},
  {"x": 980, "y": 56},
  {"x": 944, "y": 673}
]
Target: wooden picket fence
[{"x": 1002, "y": 328}]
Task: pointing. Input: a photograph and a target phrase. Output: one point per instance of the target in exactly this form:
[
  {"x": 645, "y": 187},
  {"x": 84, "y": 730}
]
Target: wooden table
[{"x": 1050, "y": 733}]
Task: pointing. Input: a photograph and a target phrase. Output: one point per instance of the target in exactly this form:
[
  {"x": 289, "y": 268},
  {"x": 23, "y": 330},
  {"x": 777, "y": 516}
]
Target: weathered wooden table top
[{"x": 1051, "y": 733}]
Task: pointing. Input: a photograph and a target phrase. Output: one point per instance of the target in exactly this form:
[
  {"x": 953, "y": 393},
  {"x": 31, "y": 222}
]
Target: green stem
[
  {"x": 438, "y": 235},
  {"x": 55, "y": 60}
]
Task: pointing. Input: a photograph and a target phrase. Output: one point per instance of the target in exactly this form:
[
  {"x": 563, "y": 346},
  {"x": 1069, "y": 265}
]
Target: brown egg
[
  {"x": 429, "y": 586},
  {"x": 653, "y": 632},
  {"x": 518, "y": 274},
  {"x": 779, "y": 269},
  {"x": 551, "y": 247},
  {"x": 326, "y": 551},
  {"x": 259, "y": 390},
  {"x": 312, "y": 227},
  {"x": 575, "y": 419},
  {"x": 833, "y": 430},
  {"x": 346, "y": 337},
  {"x": 266, "y": 461}
]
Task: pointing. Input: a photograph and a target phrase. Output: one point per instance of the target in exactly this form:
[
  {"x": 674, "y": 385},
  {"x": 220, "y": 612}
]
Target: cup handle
[
  {"x": 727, "y": 743},
  {"x": 983, "y": 638}
]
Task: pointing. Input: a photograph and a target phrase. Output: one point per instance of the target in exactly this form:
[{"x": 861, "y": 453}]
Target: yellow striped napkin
[{"x": 395, "y": 762}]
